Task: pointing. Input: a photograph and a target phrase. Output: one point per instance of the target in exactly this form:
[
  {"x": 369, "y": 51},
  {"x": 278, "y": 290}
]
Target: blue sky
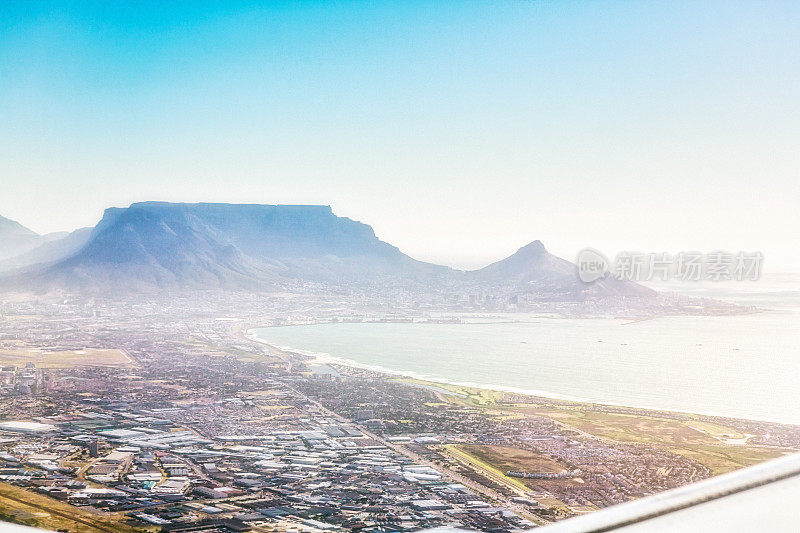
[{"x": 459, "y": 130}]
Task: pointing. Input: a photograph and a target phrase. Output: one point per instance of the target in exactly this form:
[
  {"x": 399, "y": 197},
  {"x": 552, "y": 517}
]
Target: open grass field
[
  {"x": 721, "y": 433},
  {"x": 633, "y": 428},
  {"x": 64, "y": 358},
  {"x": 467, "y": 396},
  {"x": 30, "y": 508},
  {"x": 494, "y": 461},
  {"x": 716, "y": 446},
  {"x": 720, "y": 448},
  {"x": 721, "y": 459},
  {"x": 211, "y": 349},
  {"x": 483, "y": 465},
  {"x": 505, "y": 458}
]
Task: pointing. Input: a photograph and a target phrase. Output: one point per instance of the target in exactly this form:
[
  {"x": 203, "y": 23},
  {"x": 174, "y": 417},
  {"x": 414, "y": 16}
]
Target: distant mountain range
[
  {"x": 155, "y": 246},
  {"x": 16, "y": 239}
]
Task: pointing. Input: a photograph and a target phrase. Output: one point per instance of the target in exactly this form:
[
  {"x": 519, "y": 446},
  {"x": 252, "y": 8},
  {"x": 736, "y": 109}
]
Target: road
[{"x": 487, "y": 492}]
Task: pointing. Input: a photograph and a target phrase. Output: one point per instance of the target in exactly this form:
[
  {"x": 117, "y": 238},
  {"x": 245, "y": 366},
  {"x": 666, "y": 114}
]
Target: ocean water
[{"x": 740, "y": 366}]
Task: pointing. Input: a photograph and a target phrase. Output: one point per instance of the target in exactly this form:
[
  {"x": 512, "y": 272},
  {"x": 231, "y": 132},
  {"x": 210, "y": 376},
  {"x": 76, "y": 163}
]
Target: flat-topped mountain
[
  {"x": 157, "y": 245},
  {"x": 164, "y": 245}
]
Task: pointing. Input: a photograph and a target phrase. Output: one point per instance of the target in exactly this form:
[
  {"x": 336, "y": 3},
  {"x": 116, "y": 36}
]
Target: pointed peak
[{"x": 534, "y": 248}]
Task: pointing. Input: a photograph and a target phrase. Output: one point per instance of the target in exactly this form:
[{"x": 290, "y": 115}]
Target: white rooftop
[{"x": 26, "y": 427}]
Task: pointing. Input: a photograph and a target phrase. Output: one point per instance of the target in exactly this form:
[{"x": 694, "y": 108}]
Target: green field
[{"x": 708, "y": 443}]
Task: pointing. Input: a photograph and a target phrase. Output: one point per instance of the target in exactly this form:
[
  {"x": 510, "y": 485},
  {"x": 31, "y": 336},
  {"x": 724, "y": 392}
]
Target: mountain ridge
[
  {"x": 17, "y": 239},
  {"x": 160, "y": 245}
]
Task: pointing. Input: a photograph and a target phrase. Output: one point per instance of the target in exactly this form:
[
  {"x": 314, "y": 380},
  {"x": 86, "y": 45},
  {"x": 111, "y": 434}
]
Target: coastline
[{"x": 328, "y": 359}]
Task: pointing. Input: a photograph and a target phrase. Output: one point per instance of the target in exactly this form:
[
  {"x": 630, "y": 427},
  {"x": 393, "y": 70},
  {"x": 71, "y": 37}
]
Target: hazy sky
[{"x": 458, "y": 130}]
